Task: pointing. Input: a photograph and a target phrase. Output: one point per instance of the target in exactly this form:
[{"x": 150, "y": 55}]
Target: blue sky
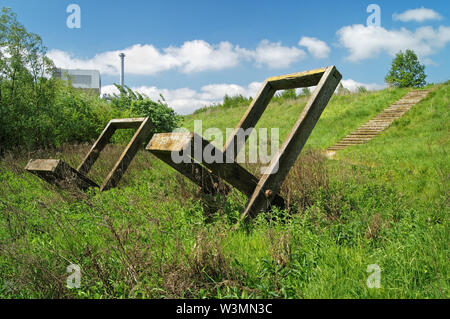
[{"x": 193, "y": 52}]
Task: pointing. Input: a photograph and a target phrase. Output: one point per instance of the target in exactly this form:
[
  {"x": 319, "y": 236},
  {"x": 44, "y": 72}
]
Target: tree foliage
[
  {"x": 288, "y": 94},
  {"x": 306, "y": 92},
  {"x": 37, "y": 110},
  {"x": 406, "y": 71}
]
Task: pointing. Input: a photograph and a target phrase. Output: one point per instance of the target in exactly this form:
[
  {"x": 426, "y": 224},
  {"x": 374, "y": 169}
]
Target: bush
[
  {"x": 288, "y": 94},
  {"x": 228, "y": 102},
  {"x": 234, "y": 101},
  {"x": 306, "y": 92},
  {"x": 162, "y": 116}
]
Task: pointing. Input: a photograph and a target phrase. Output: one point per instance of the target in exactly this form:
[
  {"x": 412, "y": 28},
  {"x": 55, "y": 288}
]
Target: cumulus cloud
[
  {"x": 140, "y": 59},
  {"x": 186, "y": 100},
  {"x": 191, "y": 56},
  {"x": 365, "y": 42},
  {"x": 418, "y": 15},
  {"x": 353, "y": 85},
  {"x": 317, "y": 48},
  {"x": 273, "y": 54},
  {"x": 198, "y": 55}
]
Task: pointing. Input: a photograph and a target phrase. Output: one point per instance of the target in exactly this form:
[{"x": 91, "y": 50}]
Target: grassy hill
[{"x": 157, "y": 235}]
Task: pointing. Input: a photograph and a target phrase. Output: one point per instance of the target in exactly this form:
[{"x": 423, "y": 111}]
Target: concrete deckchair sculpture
[
  {"x": 263, "y": 192},
  {"x": 58, "y": 172}
]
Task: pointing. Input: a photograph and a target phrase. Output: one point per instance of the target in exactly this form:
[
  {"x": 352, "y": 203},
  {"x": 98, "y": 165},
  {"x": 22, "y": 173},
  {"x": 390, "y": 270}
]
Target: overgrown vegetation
[
  {"x": 383, "y": 203},
  {"x": 163, "y": 117},
  {"x": 37, "y": 110},
  {"x": 157, "y": 236}
]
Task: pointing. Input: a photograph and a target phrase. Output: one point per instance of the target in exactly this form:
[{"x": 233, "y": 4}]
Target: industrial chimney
[{"x": 122, "y": 62}]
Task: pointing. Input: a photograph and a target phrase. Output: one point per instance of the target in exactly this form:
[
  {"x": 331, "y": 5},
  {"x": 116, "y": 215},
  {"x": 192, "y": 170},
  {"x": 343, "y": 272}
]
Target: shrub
[
  {"x": 288, "y": 94},
  {"x": 234, "y": 101},
  {"x": 306, "y": 92},
  {"x": 162, "y": 116}
]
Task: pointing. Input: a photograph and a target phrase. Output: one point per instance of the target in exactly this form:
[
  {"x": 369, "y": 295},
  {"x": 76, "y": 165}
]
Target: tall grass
[{"x": 155, "y": 236}]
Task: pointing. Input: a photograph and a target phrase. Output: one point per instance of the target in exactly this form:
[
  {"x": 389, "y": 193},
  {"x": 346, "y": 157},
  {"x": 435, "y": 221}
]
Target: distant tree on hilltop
[{"x": 406, "y": 71}]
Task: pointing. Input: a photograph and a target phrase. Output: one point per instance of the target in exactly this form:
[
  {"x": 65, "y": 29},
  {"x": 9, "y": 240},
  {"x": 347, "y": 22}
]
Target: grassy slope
[
  {"x": 383, "y": 203},
  {"x": 342, "y": 115}
]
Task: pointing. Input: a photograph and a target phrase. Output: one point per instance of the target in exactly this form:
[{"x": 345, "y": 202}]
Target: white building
[{"x": 88, "y": 80}]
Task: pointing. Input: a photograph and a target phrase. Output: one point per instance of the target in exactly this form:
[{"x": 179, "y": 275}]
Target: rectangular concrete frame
[
  {"x": 272, "y": 179},
  {"x": 264, "y": 192},
  {"x": 163, "y": 144},
  {"x": 143, "y": 125}
]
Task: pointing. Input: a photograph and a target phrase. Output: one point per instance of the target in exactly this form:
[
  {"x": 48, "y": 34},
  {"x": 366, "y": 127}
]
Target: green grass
[
  {"x": 343, "y": 114},
  {"x": 157, "y": 236}
]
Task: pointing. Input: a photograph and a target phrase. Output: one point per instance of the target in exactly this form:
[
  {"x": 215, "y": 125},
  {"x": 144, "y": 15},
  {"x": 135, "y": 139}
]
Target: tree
[
  {"x": 406, "y": 71},
  {"x": 36, "y": 109},
  {"x": 288, "y": 94},
  {"x": 24, "y": 86},
  {"x": 306, "y": 92}
]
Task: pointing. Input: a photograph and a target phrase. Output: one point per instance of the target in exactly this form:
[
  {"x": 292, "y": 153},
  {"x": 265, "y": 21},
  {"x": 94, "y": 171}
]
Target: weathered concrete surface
[{"x": 58, "y": 172}]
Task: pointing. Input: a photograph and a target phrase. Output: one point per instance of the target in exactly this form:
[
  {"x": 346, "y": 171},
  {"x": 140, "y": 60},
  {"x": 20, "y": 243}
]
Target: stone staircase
[{"x": 380, "y": 122}]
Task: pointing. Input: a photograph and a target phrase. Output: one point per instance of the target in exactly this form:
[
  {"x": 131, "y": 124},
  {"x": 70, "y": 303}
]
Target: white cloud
[
  {"x": 140, "y": 59},
  {"x": 429, "y": 62},
  {"x": 418, "y": 15},
  {"x": 198, "y": 55},
  {"x": 317, "y": 48},
  {"x": 191, "y": 56},
  {"x": 365, "y": 42},
  {"x": 273, "y": 54},
  {"x": 353, "y": 85},
  {"x": 185, "y": 100}
]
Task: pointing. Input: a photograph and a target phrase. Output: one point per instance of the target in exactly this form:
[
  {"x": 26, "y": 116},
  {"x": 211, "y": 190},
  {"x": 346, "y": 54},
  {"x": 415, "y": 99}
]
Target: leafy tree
[
  {"x": 406, "y": 71},
  {"x": 36, "y": 109},
  {"x": 288, "y": 94},
  {"x": 306, "y": 92},
  {"x": 162, "y": 116},
  {"x": 24, "y": 87}
]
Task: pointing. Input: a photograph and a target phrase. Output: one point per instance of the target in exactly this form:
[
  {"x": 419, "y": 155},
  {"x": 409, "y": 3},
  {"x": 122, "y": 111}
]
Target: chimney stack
[{"x": 122, "y": 62}]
